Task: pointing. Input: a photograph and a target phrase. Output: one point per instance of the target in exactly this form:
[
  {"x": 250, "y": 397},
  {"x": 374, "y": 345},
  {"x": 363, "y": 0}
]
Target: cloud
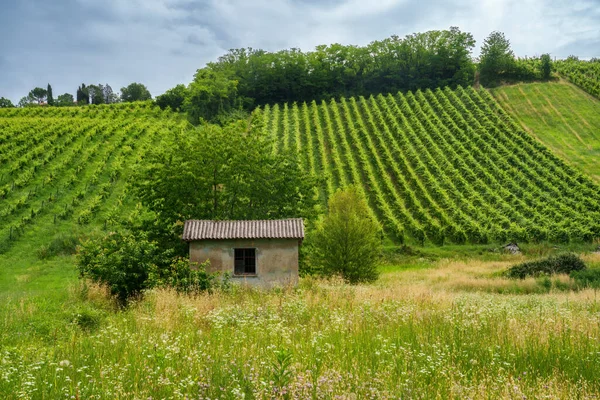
[{"x": 162, "y": 42}]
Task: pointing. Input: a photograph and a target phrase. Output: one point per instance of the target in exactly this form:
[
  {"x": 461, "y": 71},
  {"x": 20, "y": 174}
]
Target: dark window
[{"x": 245, "y": 262}]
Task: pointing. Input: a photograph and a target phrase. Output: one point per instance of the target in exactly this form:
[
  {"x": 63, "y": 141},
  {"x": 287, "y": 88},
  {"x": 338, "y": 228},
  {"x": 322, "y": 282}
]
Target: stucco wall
[{"x": 276, "y": 259}]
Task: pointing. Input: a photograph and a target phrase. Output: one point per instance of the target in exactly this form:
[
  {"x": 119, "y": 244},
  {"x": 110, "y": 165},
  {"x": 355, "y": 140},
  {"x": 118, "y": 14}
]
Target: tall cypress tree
[
  {"x": 82, "y": 95},
  {"x": 50, "y": 97}
]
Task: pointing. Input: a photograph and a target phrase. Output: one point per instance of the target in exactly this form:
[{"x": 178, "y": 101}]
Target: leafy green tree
[
  {"x": 135, "y": 92},
  {"x": 545, "y": 66},
  {"x": 49, "y": 95},
  {"x": 347, "y": 241},
  {"x": 5, "y": 103},
  {"x": 38, "y": 95},
  {"x": 65, "y": 100},
  {"x": 223, "y": 173},
  {"x": 173, "y": 98},
  {"x": 496, "y": 59},
  {"x": 209, "y": 95}
]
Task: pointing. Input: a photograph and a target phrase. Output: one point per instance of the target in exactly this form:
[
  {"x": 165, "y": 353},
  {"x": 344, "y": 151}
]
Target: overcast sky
[{"x": 163, "y": 42}]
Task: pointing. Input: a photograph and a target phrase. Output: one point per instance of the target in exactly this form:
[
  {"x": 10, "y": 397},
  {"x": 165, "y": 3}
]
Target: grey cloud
[{"x": 163, "y": 42}]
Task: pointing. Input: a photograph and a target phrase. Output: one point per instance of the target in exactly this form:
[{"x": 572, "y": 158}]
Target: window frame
[{"x": 245, "y": 257}]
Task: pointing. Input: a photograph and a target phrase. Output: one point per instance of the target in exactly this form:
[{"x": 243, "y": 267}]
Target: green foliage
[
  {"x": 5, "y": 103},
  {"x": 347, "y": 241},
  {"x": 496, "y": 59},
  {"x": 96, "y": 94},
  {"x": 123, "y": 261},
  {"x": 87, "y": 318},
  {"x": 173, "y": 98},
  {"x": 65, "y": 100},
  {"x": 244, "y": 78},
  {"x": 560, "y": 264},
  {"x": 445, "y": 166},
  {"x": 223, "y": 173},
  {"x": 83, "y": 95},
  {"x": 38, "y": 95},
  {"x": 209, "y": 95},
  {"x": 585, "y": 74},
  {"x": 135, "y": 92},
  {"x": 27, "y": 101},
  {"x": 555, "y": 126},
  {"x": 281, "y": 372},
  {"x": 185, "y": 277},
  {"x": 71, "y": 165},
  {"x": 587, "y": 278}
]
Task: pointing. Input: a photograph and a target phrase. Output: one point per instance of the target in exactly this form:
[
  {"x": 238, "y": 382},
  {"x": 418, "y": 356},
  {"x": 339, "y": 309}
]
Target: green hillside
[
  {"x": 561, "y": 116},
  {"x": 66, "y": 169},
  {"x": 440, "y": 166}
]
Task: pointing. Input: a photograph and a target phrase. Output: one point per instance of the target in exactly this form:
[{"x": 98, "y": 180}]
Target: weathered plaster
[{"x": 276, "y": 259}]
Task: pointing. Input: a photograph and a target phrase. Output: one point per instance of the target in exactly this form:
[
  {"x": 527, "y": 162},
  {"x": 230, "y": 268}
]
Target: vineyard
[
  {"x": 440, "y": 166},
  {"x": 71, "y": 164},
  {"x": 585, "y": 74},
  {"x": 437, "y": 167}
]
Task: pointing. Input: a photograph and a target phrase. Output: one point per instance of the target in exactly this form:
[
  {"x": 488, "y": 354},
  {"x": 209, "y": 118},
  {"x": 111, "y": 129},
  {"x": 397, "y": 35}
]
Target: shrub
[
  {"x": 121, "y": 261},
  {"x": 346, "y": 241},
  {"x": 560, "y": 264},
  {"x": 185, "y": 277},
  {"x": 128, "y": 263}
]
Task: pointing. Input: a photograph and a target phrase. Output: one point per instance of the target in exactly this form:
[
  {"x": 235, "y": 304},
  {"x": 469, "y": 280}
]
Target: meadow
[
  {"x": 561, "y": 116},
  {"x": 432, "y": 327}
]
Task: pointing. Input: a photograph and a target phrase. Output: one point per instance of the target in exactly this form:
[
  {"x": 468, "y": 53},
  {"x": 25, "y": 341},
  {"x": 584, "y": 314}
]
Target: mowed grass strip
[{"x": 561, "y": 116}]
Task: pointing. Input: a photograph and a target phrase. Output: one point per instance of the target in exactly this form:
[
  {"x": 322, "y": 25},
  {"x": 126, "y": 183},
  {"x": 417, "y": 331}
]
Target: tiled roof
[{"x": 292, "y": 228}]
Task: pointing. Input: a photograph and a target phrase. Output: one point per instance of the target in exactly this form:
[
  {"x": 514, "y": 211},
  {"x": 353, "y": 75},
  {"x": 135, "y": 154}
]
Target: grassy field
[
  {"x": 561, "y": 116},
  {"x": 431, "y": 327}
]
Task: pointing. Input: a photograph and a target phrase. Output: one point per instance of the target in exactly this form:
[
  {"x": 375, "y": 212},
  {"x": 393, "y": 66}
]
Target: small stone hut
[{"x": 257, "y": 252}]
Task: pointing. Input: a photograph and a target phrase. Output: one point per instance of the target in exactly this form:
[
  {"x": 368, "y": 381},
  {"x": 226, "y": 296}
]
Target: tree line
[
  {"x": 243, "y": 79},
  {"x": 90, "y": 94},
  {"x": 246, "y": 78}
]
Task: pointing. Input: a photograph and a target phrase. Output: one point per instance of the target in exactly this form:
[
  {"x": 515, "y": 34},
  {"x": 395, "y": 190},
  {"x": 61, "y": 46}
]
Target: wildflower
[{"x": 64, "y": 363}]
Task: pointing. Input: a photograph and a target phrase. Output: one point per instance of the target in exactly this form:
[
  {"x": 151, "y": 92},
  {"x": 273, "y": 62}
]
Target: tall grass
[{"x": 415, "y": 334}]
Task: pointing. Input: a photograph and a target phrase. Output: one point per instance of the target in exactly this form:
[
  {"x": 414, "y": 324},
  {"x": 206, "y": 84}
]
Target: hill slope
[
  {"x": 70, "y": 165},
  {"x": 441, "y": 166},
  {"x": 561, "y": 116}
]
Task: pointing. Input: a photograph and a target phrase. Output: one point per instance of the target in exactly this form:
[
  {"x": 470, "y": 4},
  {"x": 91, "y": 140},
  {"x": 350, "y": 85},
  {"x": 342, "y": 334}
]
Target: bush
[
  {"x": 347, "y": 241},
  {"x": 185, "y": 277},
  {"x": 121, "y": 261},
  {"x": 560, "y": 264},
  {"x": 128, "y": 263}
]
